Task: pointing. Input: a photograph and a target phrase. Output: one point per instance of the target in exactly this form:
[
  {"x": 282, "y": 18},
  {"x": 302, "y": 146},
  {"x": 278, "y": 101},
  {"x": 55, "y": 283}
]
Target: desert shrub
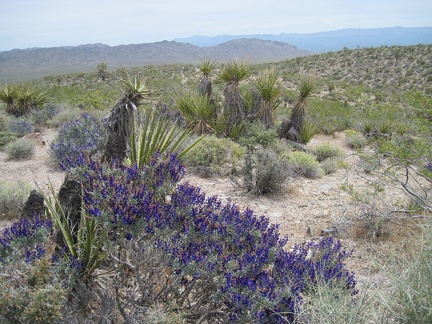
[
  {"x": 213, "y": 155},
  {"x": 304, "y": 164},
  {"x": 12, "y": 198},
  {"x": 7, "y": 137},
  {"x": 307, "y": 131},
  {"x": 335, "y": 304},
  {"x": 355, "y": 139},
  {"x": 330, "y": 165},
  {"x": 256, "y": 134},
  {"x": 30, "y": 290},
  {"x": 409, "y": 299},
  {"x": 44, "y": 115},
  {"x": 327, "y": 150},
  {"x": 83, "y": 135},
  {"x": 4, "y": 122},
  {"x": 64, "y": 116},
  {"x": 21, "y": 127},
  {"x": 20, "y": 149},
  {"x": 270, "y": 172}
]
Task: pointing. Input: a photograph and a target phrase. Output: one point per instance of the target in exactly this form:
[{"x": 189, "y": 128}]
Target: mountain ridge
[
  {"x": 331, "y": 40},
  {"x": 38, "y": 62}
]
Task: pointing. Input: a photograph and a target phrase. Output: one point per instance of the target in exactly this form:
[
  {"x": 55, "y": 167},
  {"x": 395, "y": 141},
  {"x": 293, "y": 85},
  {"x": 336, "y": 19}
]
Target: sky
[{"x": 52, "y": 23}]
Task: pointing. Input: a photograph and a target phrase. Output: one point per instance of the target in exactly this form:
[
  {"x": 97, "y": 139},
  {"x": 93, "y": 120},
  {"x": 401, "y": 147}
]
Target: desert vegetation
[{"x": 127, "y": 239}]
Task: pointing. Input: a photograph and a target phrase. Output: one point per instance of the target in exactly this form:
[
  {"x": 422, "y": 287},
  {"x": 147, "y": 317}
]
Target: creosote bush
[
  {"x": 20, "y": 149},
  {"x": 215, "y": 156},
  {"x": 355, "y": 139},
  {"x": 326, "y": 150},
  {"x": 304, "y": 164}
]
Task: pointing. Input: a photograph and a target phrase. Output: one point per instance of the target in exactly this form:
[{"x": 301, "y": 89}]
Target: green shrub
[
  {"x": 12, "y": 198},
  {"x": 409, "y": 300},
  {"x": 30, "y": 293},
  {"x": 213, "y": 155},
  {"x": 20, "y": 149},
  {"x": 328, "y": 304},
  {"x": 257, "y": 134},
  {"x": 307, "y": 132},
  {"x": 270, "y": 172},
  {"x": 330, "y": 165},
  {"x": 7, "y": 137},
  {"x": 304, "y": 164},
  {"x": 4, "y": 122},
  {"x": 355, "y": 139},
  {"x": 64, "y": 117},
  {"x": 327, "y": 150}
]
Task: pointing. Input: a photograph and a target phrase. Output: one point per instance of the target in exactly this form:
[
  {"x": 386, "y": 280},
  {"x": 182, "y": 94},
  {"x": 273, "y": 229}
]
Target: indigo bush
[
  {"x": 224, "y": 264},
  {"x": 21, "y": 127},
  {"x": 25, "y": 237},
  {"x": 83, "y": 135}
]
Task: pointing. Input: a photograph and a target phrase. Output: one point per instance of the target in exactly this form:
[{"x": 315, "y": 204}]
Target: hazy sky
[{"x": 50, "y": 23}]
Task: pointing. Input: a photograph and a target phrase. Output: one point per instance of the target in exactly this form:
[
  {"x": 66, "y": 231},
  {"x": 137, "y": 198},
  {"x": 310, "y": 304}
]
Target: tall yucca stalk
[
  {"x": 121, "y": 119},
  {"x": 269, "y": 90},
  {"x": 234, "y": 103},
  {"x": 205, "y": 86}
]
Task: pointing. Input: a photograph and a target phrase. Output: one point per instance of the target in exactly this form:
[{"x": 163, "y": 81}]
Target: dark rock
[{"x": 34, "y": 205}]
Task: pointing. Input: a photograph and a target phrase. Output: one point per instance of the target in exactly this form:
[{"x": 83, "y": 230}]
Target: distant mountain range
[
  {"x": 25, "y": 64},
  {"x": 37, "y": 62},
  {"x": 331, "y": 40}
]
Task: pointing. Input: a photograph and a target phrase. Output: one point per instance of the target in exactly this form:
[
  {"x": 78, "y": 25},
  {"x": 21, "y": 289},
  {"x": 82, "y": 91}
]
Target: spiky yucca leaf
[
  {"x": 136, "y": 90},
  {"x": 269, "y": 91},
  {"x": 235, "y": 72},
  {"x": 198, "y": 112},
  {"x": 268, "y": 86},
  {"x": 157, "y": 135},
  {"x": 90, "y": 234},
  {"x": 206, "y": 66},
  {"x": 305, "y": 87},
  {"x": 21, "y": 100}
]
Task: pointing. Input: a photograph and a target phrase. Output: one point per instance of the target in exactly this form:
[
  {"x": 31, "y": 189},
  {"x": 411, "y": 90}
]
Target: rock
[
  {"x": 34, "y": 205},
  {"x": 329, "y": 231}
]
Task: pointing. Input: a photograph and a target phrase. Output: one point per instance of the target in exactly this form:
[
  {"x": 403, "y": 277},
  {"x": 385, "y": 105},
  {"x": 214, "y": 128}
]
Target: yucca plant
[
  {"x": 8, "y": 96},
  {"x": 121, "y": 119},
  {"x": 291, "y": 129},
  {"x": 198, "y": 112},
  {"x": 234, "y": 103},
  {"x": 157, "y": 135},
  {"x": 21, "y": 100},
  {"x": 84, "y": 243},
  {"x": 269, "y": 90},
  {"x": 205, "y": 86}
]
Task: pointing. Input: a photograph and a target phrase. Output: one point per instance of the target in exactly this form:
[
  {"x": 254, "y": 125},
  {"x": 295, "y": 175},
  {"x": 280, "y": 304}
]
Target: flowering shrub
[
  {"x": 30, "y": 290},
  {"x": 83, "y": 135},
  {"x": 178, "y": 247},
  {"x": 21, "y": 127},
  {"x": 25, "y": 236},
  {"x": 223, "y": 264}
]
